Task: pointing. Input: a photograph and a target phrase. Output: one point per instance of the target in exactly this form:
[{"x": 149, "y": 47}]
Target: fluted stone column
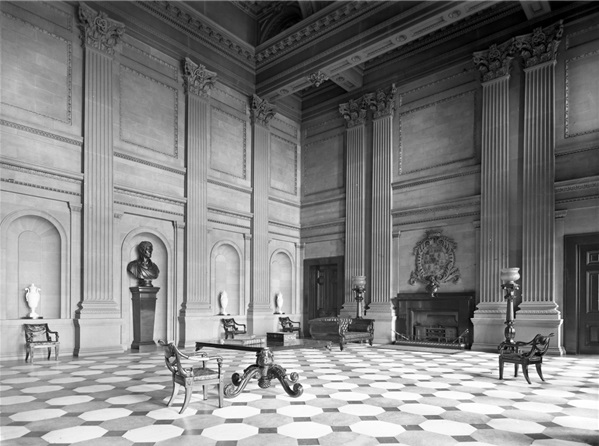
[
  {"x": 354, "y": 113},
  {"x": 75, "y": 264},
  {"x": 98, "y": 311},
  {"x": 259, "y": 309},
  {"x": 538, "y": 311},
  {"x": 195, "y": 312},
  {"x": 489, "y": 317},
  {"x": 380, "y": 305}
]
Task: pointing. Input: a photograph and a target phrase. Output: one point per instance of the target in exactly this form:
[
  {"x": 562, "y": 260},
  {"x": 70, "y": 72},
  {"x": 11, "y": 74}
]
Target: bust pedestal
[{"x": 144, "y": 310}]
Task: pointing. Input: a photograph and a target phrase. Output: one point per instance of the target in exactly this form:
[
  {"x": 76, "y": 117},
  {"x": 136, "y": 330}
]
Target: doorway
[
  {"x": 581, "y": 294},
  {"x": 323, "y": 288}
]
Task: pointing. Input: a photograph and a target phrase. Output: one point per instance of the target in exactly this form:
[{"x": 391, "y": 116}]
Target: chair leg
[
  {"x": 525, "y": 372},
  {"x": 174, "y": 394},
  {"x": 188, "y": 390},
  {"x": 500, "y": 369},
  {"x": 220, "y": 393},
  {"x": 516, "y": 370},
  {"x": 205, "y": 393},
  {"x": 539, "y": 372},
  {"x": 56, "y": 349},
  {"x": 27, "y": 352},
  {"x": 49, "y": 353}
]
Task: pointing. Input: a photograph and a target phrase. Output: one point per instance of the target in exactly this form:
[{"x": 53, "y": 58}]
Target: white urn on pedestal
[
  {"x": 33, "y": 300},
  {"x": 223, "y": 301},
  {"x": 278, "y": 303}
]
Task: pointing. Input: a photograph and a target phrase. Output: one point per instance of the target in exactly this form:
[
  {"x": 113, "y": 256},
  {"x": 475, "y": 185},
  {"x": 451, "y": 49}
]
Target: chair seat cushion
[
  {"x": 200, "y": 374},
  {"x": 43, "y": 343}
]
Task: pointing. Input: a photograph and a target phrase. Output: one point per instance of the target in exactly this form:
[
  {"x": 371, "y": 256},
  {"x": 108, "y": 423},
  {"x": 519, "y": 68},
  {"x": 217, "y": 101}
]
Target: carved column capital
[
  {"x": 197, "y": 79},
  {"x": 540, "y": 46},
  {"x": 262, "y": 111},
  {"x": 99, "y": 31},
  {"x": 494, "y": 62},
  {"x": 354, "y": 111},
  {"x": 383, "y": 103}
]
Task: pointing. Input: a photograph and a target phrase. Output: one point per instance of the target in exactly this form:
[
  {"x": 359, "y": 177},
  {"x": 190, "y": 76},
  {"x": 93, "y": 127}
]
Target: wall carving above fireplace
[{"x": 435, "y": 261}]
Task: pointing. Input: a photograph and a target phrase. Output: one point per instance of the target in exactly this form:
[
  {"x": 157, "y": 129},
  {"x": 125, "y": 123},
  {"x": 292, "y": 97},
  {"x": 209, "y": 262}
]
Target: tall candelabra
[
  {"x": 509, "y": 277},
  {"x": 358, "y": 286}
]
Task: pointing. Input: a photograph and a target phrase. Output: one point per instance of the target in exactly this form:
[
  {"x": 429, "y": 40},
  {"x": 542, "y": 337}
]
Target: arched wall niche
[
  {"x": 282, "y": 279},
  {"x": 164, "y": 324},
  {"x": 226, "y": 274},
  {"x": 34, "y": 250}
]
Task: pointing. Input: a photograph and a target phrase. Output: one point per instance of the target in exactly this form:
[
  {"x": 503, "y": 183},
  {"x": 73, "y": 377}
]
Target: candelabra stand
[
  {"x": 359, "y": 286},
  {"x": 509, "y": 277}
]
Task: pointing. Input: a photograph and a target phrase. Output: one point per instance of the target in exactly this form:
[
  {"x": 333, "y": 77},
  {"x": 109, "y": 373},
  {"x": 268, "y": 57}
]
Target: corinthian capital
[
  {"x": 383, "y": 103},
  {"x": 99, "y": 31},
  {"x": 262, "y": 111},
  {"x": 197, "y": 79},
  {"x": 540, "y": 46},
  {"x": 495, "y": 62},
  {"x": 354, "y": 111}
]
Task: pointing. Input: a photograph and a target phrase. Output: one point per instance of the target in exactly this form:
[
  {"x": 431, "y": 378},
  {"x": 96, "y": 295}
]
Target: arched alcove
[
  {"x": 226, "y": 274},
  {"x": 35, "y": 251},
  {"x": 282, "y": 279},
  {"x": 162, "y": 257}
]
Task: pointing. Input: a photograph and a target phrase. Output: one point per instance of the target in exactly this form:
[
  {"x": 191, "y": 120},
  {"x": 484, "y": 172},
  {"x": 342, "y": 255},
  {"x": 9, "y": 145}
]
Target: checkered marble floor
[{"x": 359, "y": 396}]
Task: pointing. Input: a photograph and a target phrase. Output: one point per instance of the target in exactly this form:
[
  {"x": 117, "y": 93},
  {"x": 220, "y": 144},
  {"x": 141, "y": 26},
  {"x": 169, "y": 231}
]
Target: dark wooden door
[
  {"x": 581, "y": 300},
  {"x": 323, "y": 288}
]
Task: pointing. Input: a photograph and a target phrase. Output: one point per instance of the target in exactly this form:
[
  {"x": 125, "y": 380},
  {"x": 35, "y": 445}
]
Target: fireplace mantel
[{"x": 410, "y": 306}]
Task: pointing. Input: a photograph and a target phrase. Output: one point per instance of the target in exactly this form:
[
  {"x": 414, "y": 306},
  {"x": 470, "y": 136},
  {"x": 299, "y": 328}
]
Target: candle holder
[
  {"x": 359, "y": 287},
  {"x": 509, "y": 277}
]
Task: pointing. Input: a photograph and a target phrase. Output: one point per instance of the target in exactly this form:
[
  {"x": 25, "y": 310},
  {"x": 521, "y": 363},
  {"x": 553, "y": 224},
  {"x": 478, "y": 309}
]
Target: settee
[{"x": 342, "y": 330}]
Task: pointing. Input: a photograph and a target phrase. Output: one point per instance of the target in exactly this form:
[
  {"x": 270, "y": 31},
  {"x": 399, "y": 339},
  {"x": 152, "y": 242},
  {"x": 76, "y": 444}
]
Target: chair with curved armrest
[
  {"x": 232, "y": 328},
  {"x": 520, "y": 354},
  {"x": 189, "y": 369},
  {"x": 40, "y": 336},
  {"x": 290, "y": 326}
]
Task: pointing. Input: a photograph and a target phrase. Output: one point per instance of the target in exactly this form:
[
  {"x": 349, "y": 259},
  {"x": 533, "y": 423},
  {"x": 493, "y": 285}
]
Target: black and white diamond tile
[{"x": 359, "y": 396}]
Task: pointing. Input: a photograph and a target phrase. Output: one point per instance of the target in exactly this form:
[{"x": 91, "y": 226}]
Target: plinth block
[{"x": 144, "y": 312}]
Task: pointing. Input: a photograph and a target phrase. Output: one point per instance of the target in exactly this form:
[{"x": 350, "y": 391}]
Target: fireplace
[{"x": 440, "y": 321}]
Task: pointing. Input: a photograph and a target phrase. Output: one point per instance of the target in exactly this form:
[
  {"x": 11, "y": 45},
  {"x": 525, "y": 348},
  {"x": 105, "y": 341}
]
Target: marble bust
[{"x": 143, "y": 269}]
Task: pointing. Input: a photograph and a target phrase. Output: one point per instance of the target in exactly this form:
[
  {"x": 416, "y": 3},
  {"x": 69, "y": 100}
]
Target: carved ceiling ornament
[
  {"x": 197, "y": 79},
  {"x": 540, "y": 46},
  {"x": 262, "y": 111},
  {"x": 382, "y": 103},
  {"x": 495, "y": 62},
  {"x": 354, "y": 111},
  {"x": 435, "y": 261},
  {"x": 99, "y": 31},
  {"x": 317, "y": 78}
]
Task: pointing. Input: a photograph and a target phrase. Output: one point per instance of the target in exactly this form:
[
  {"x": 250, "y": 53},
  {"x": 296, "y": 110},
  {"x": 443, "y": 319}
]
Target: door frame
[
  {"x": 308, "y": 264},
  {"x": 571, "y": 301}
]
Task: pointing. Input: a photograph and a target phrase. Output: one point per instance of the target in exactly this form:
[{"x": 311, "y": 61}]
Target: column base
[
  {"x": 384, "y": 321},
  {"x": 261, "y": 320},
  {"x": 98, "y": 336}
]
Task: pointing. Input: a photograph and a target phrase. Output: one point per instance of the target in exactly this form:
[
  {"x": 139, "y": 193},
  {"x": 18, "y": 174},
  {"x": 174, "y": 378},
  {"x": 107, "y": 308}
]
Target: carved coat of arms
[{"x": 435, "y": 261}]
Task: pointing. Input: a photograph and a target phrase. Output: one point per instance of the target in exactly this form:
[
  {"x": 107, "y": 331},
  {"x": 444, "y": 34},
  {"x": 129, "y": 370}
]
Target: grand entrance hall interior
[{"x": 422, "y": 176}]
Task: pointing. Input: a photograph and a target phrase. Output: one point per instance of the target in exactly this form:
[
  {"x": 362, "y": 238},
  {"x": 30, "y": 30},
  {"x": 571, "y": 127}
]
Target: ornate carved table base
[{"x": 265, "y": 370}]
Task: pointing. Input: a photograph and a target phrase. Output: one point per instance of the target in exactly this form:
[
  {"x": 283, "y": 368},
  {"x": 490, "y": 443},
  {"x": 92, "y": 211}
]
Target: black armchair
[
  {"x": 233, "y": 328},
  {"x": 520, "y": 354}
]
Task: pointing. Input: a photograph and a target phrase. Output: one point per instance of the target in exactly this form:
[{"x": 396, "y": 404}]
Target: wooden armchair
[
  {"x": 233, "y": 328},
  {"x": 40, "y": 336},
  {"x": 188, "y": 369},
  {"x": 290, "y": 326},
  {"x": 520, "y": 354}
]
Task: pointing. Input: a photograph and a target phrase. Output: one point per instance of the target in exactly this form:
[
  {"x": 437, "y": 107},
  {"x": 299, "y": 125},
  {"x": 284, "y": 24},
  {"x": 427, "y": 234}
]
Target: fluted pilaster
[
  {"x": 197, "y": 82},
  {"x": 538, "y": 251},
  {"x": 354, "y": 113},
  {"x": 262, "y": 113},
  {"x": 383, "y": 105},
  {"x": 100, "y": 38}
]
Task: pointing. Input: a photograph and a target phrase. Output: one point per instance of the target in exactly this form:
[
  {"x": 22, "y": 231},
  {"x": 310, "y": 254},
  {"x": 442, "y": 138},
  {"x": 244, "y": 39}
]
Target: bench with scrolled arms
[{"x": 342, "y": 330}]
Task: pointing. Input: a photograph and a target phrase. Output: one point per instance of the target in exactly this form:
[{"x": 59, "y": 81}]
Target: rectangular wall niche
[{"x": 440, "y": 321}]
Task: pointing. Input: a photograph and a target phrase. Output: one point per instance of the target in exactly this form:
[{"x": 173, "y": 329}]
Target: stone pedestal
[{"x": 144, "y": 311}]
